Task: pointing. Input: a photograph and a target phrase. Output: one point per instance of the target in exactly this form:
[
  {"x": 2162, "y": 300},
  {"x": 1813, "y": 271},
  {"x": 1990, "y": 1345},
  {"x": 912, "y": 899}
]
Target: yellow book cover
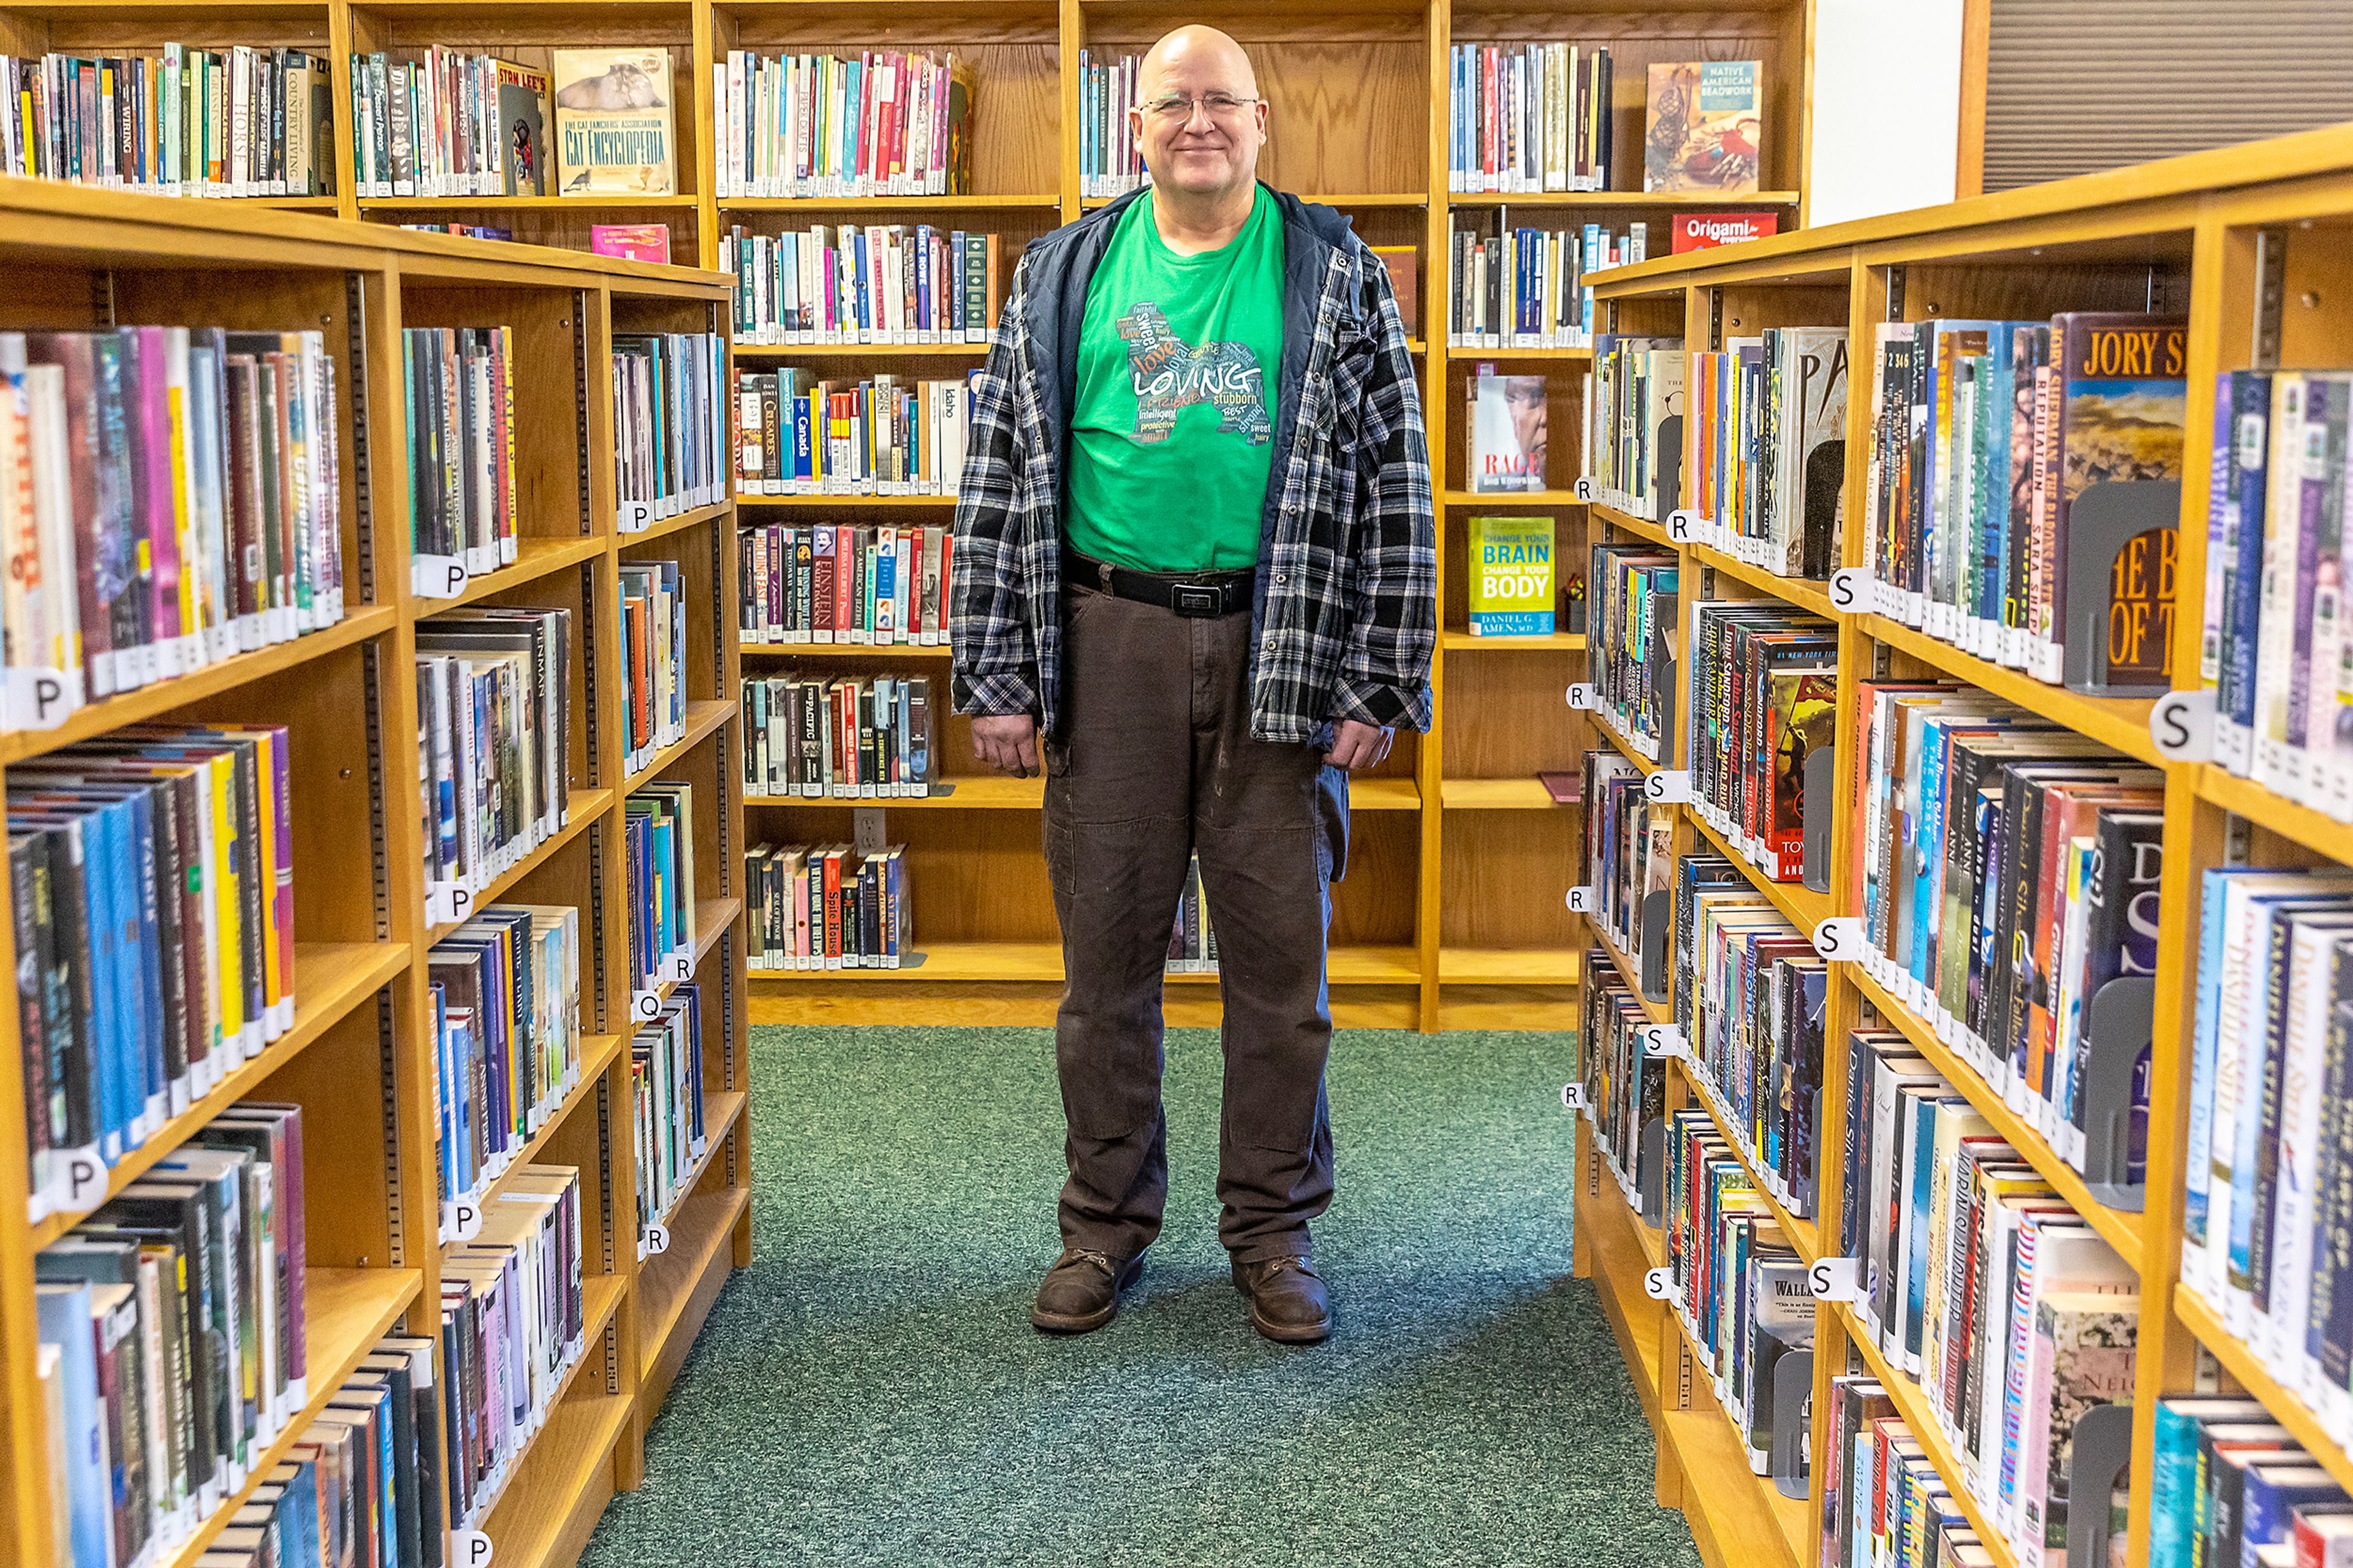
[
  {"x": 614, "y": 134},
  {"x": 1510, "y": 576}
]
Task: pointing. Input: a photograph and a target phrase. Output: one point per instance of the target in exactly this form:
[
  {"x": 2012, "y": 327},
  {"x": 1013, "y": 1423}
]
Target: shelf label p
[{"x": 470, "y": 1548}]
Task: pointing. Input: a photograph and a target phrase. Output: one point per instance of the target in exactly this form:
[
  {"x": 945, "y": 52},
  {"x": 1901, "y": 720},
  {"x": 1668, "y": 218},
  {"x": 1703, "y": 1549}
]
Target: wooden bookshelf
[
  {"x": 359, "y": 1057},
  {"x": 2182, "y": 229}
]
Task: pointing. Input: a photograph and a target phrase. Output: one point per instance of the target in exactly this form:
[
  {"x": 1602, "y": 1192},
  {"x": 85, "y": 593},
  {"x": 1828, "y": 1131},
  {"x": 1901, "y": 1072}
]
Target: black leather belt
[{"x": 1199, "y": 596}]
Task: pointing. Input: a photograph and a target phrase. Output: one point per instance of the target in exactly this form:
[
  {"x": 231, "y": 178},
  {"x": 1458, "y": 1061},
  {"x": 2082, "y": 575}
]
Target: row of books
[
  {"x": 845, "y": 582},
  {"x": 653, "y": 659},
  {"x": 884, "y": 283},
  {"x": 883, "y": 437},
  {"x": 1624, "y": 1076},
  {"x": 882, "y": 122},
  {"x": 1764, "y": 448},
  {"x": 1529, "y": 117},
  {"x": 363, "y": 1484},
  {"x": 853, "y": 737},
  {"x": 2272, "y": 641},
  {"x": 657, "y": 830},
  {"x": 1631, "y": 638},
  {"x": 1626, "y": 852},
  {"x": 1982, "y": 1284},
  {"x": 1749, "y": 993},
  {"x": 1632, "y": 448},
  {"x": 1735, "y": 1280},
  {"x": 829, "y": 905},
  {"x": 1109, "y": 164},
  {"x": 670, "y": 428},
  {"x": 2228, "y": 1484},
  {"x": 169, "y": 496},
  {"x": 1762, "y": 701},
  {"x": 177, "y": 1315},
  {"x": 666, "y": 1100},
  {"x": 180, "y": 122},
  {"x": 1192, "y": 940},
  {"x": 513, "y": 1321},
  {"x": 506, "y": 1031},
  {"x": 154, "y": 913},
  {"x": 2263, "y": 1241},
  {"x": 463, "y": 501},
  {"x": 1522, "y": 287},
  {"x": 494, "y": 721},
  {"x": 1986, "y": 437},
  {"x": 2007, "y": 872},
  {"x": 458, "y": 125}
]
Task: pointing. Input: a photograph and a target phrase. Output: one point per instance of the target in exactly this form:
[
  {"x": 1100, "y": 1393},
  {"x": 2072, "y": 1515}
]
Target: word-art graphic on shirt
[{"x": 1171, "y": 374}]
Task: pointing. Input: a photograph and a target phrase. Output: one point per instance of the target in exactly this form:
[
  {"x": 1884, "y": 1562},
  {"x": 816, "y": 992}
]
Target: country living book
[
  {"x": 1704, "y": 128},
  {"x": 614, "y": 127}
]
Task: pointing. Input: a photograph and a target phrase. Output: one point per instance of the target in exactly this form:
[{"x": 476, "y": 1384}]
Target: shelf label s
[
  {"x": 1839, "y": 1279},
  {"x": 1668, "y": 787},
  {"x": 1840, "y": 939},
  {"x": 2181, "y": 726},
  {"x": 1850, "y": 590},
  {"x": 1658, "y": 1284},
  {"x": 1580, "y": 901},
  {"x": 1662, "y": 1040}
]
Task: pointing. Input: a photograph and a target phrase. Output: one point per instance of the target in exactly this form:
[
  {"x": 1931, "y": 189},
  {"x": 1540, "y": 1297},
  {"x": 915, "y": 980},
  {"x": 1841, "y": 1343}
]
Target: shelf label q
[
  {"x": 2181, "y": 726},
  {"x": 1840, "y": 939}
]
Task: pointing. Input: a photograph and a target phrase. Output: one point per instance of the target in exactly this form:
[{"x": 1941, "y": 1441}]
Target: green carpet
[{"x": 869, "y": 1392}]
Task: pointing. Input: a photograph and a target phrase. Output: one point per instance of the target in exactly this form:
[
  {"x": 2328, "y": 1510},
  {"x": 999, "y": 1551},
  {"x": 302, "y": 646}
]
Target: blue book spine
[
  {"x": 139, "y": 807},
  {"x": 1929, "y": 861},
  {"x": 65, "y": 1322},
  {"x": 2173, "y": 1474},
  {"x": 802, "y": 469},
  {"x": 2251, "y": 403},
  {"x": 1996, "y": 380},
  {"x": 1523, "y": 294},
  {"x": 109, "y": 989},
  {"x": 2267, "y": 1511}
]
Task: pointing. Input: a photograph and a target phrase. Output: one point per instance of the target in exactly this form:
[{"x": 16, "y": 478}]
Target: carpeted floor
[{"x": 869, "y": 1391}]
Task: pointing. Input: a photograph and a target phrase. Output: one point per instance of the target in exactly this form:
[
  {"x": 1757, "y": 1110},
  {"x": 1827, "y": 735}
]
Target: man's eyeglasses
[{"x": 1177, "y": 110}]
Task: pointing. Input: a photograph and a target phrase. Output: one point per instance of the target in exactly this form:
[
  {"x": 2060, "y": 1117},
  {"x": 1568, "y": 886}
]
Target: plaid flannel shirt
[{"x": 1344, "y": 612}]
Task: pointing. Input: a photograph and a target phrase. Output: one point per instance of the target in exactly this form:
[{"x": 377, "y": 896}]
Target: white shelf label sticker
[
  {"x": 470, "y": 1548},
  {"x": 1840, "y": 939},
  {"x": 2181, "y": 724},
  {"x": 1584, "y": 489},
  {"x": 1572, "y": 1096},
  {"x": 679, "y": 967},
  {"x": 1662, "y": 1040},
  {"x": 1580, "y": 697},
  {"x": 657, "y": 1240},
  {"x": 645, "y": 1006},
  {"x": 461, "y": 1220},
  {"x": 636, "y": 516},
  {"x": 1659, "y": 1284},
  {"x": 1838, "y": 1279},
  {"x": 76, "y": 1180},
  {"x": 1580, "y": 901},
  {"x": 1683, "y": 525},
  {"x": 42, "y": 698},
  {"x": 1850, "y": 590},
  {"x": 1668, "y": 787},
  {"x": 437, "y": 576}
]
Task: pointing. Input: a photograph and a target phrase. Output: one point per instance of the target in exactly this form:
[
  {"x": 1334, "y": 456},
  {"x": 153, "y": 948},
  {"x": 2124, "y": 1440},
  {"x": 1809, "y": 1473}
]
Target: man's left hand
[{"x": 1356, "y": 746}]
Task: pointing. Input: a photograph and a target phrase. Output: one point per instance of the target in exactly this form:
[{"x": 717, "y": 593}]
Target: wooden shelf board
[
  {"x": 524, "y": 203},
  {"x": 700, "y": 1233},
  {"x": 1383, "y": 794},
  {"x": 1656, "y": 1012},
  {"x": 1623, "y": 746},
  {"x": 1041, "y": 963},
  {"x": 1040, "y": 199},
  {"x": 600, "y": 1297},
  {"x": 847, "y": 650},
  {"x": 1508, "y": 499},
  {"x": 1804, "y": 593},
  {"x": 1509, "y": 966},
  {"x": 1799, "y": 904},
  {"x": 597, "y": 1054},
  {"x": 1618, "y": 199},
  {"x": 535, "y": 558},
  {"x": 358, "y": 625},
  {"x": 805, "y": 502},
  {"x": 2315, "y": 830},
  {"x": 1641, "y": 527},
  {"x": 971, "y": 792},
  {"x": 1555, "y": 642},
  {"x": 859, "y": 351},
  {"x": 2287, "y": 1406},
  {"x": 584, "y": 807},
  {"x": 1803, "y": 1234},
  {"x": 569, "y": 1457},
  {"x": 346, "y": 1312},
  {"x": 721, "y": 1107},
  {"x": 1496, "y": 794},
  {"x": 331, "y": 979},
  {"x": 2118, "y": 1228},
  {"x": 1464, "y": 352},
  {"x": 712, "y": 918},
  {"x": 2120, "y": 723},
  {"x": 692, "y": 518},
  {"x": 1343, "y": 199},
  {"x": 1911, "y": 1403},
  {"x": 704, "y": 720}
]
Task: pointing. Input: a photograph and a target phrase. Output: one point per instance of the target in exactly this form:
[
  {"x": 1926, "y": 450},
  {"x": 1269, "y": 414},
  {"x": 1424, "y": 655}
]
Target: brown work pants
[{"x": 1154, "y": 762}]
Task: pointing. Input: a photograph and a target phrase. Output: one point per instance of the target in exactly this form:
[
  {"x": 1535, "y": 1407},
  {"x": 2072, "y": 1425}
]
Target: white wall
[{"x": 1887, "y": 101}]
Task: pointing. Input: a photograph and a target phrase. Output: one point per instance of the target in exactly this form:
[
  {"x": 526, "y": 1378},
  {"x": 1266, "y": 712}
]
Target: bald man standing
[{"x": 1196, "y": 575}]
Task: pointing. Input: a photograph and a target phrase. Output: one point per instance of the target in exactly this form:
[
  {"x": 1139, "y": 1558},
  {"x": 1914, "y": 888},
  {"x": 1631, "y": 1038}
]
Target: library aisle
[{"x": 868, "y": 1391}]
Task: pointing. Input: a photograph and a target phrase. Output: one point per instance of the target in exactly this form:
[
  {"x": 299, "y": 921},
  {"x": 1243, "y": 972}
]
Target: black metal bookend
[
  {"x": 2102, "y": 523},
  {"x": 2102, "y": 1452},
  {"x": 2117, "y": 1028},
  {"x": 1820, "y": 764},
  {"x": 1791, "y": 1456},
  {"x": 1658, "y": 909},
  {"x": 1649, "y": 1175}
]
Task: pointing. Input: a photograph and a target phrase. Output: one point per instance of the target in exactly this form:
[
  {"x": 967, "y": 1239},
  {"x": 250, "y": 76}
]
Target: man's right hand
[{"x": 1007, "y": 743}]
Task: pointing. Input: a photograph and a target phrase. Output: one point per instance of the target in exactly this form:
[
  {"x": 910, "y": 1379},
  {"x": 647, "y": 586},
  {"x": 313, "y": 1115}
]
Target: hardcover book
[
  {"x": 1510, "y": 576},
  {"x": 1705, "y": 126},
  {"x": 1701, "y": 231},
  {"x": 613, "y": 124},
  {"x": 522, "y": 129},
  {"x": 630, "y": 241},
  {"x": 1508, "y": 418}
]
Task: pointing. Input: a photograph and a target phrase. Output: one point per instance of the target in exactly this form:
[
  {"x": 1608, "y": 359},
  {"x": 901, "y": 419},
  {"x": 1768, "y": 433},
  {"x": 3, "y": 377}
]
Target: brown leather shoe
[
  {"x": 1081, "y": 1291},
  {"x": 1288, "y": 1302}
]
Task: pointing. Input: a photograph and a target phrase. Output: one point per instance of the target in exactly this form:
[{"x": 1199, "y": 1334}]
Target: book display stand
[{"x": 2191, "y": 228}]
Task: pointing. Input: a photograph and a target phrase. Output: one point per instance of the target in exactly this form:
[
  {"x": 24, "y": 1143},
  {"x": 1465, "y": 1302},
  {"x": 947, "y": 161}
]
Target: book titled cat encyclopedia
[{"x": 613, "y": 122}]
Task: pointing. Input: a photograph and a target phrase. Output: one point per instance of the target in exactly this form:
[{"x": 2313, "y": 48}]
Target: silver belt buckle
[{"x": 1198, "y": 601}]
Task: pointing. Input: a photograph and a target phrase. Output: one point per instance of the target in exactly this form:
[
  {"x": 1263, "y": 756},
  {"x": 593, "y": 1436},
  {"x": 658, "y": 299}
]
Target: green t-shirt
[{"x": 1172, "y": 442}]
